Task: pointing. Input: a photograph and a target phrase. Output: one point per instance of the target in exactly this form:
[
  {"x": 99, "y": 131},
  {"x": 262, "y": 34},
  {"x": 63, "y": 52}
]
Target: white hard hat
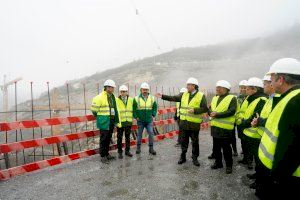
[
  {"x": 183, "y": 90},
  {"x": 267, "y": 78},
  {"x": 145, "y": 86},
  {"x": 285, "y": 66},
  {"x": 110, "y": 83},
  {"x": 224, "y": 84},
  {"x": 243, "y": 83},
  {"x": 192, "y": 81},
  {"x": 254, "y": 81},
  {"x": 123, "y": 88}
]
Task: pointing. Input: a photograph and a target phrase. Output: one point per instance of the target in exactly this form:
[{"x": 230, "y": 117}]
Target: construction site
[{"x": 149, "y": 100}]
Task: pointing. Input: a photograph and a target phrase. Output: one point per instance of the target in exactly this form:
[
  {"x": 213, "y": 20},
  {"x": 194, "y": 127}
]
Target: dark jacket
[
  {"x": 186, "y": 125},
  {"x": 220, "y": 132},
  {"x": 287, "y": 153}
]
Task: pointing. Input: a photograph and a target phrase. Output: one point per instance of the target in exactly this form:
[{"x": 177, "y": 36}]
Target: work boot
[
  {"x": 104, "y": 160},
  {"x": 253, "y": 185},
  {"x": 216, "y": 166},
  {"x": 196, "y": 162},
  {"x": 182, "y": 159},
  {"x": 120, "y": 155},
  {"x": 177, "y": 144},
  {"x": 235, "y": 154},
  {"x": 151, "y": 151},
  {"x": 228, "y": 170},
  {"x": 110, "y": 157},
  {"x": 251, "y": 176},
  {"x": 127, "y": 153},
  {"x": 211, "y": 156},
  {"x": 138, "y": 150}
]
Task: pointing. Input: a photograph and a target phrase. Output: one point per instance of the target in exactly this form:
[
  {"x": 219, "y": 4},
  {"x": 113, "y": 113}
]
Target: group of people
[{"x": 265, "y": 115}]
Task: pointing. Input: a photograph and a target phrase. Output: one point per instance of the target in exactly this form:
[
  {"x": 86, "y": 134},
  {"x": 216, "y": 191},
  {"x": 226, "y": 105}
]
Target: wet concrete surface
[{"x": 140, "y": 177}]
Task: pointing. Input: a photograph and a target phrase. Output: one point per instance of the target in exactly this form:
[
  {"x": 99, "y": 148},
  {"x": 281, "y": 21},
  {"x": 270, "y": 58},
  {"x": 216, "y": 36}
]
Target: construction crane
[{"x": 4, "y": 89}]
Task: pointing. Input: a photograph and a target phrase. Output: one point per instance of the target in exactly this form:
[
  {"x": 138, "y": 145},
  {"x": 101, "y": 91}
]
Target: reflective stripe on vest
[
  {"x": 194, "y": 103},
  {"x": 125, "y": 111},
  {"x": 267, "y": 147},
  {"x": 252, "y": 132},
  {"x": 142, "y": 105},
  {"x": 224, "y": 123},
  {"x": 100, "y": 104},
  {"x": 265, "y": 114}
]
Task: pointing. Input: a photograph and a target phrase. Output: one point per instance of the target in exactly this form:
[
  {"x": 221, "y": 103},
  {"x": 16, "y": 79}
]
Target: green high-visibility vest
[
  {"x": 126, "y": 111},
  {"x": 225, "y": 123},
  {"x": 252, "y": 131},
  {"x": 194, "y": 103},
  {"x": 268, "y": 143}
]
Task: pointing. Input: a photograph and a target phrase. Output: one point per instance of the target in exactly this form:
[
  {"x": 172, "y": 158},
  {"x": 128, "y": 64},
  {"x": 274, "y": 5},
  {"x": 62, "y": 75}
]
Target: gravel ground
[{"x": 140, "y": 177}]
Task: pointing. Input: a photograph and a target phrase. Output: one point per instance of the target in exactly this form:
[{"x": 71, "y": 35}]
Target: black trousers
[
  {"x": 253, "y": 145},
  {"x": 184, "y": 141},
  {"x": 233, "y": 141},
  {"x": 223, "y": 144},
  {"x": 120, "y": 132},
  {"x": 105, "y": 138}
]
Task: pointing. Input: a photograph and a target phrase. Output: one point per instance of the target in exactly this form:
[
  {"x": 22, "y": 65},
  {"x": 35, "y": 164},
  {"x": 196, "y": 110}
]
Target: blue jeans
[{"x": 149, "y": 127}]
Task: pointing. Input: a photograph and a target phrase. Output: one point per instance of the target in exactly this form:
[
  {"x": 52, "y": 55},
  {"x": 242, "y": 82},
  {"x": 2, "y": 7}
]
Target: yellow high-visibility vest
[
  {"x": 100, "y": 104},
  {"x": 125, "y": 111},
  {"x": 241, "y": 111},
  {"x": 267, "y": 147},
  {"x": 142, "y": 105},
  {"x": 225, "y": 123},
  {"x": 194, "y": 103},
  {"x": 252, "y": 131},
  {"x": 178, "y": 109}
]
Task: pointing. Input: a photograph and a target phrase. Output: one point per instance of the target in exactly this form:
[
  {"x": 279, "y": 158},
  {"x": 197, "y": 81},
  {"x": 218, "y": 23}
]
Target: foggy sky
[{"x": 59, "y": 40}]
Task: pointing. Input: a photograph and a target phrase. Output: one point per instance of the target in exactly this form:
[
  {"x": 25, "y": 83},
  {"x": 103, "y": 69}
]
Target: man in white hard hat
[
  {"x": 193, "y": 106},
  {"x": 145, "y": 110},
  {"x": 258, "y": 123},
  {"x": 279, "y": 149},
  {"x": 222, "y": 112},
  {"x": 104, "y": 108},
  {"x": 125, "y": 108},
  {"x": 177, "y": 115},
  {"x": 251, "y": 106}
]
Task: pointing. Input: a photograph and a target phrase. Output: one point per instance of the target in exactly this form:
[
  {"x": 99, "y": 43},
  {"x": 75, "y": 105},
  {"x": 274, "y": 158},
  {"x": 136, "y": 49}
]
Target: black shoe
[
  {"x": 138, "y": 150},
  {"x": 109, "y": 157},
  {"x": 211, "y": 156},
  {"x": 250, "y": 166},
  {"x": 104, "y": 160},
  {"x": 235, "y": 154},
  {"x": 253, "y": 185},
  {"x": 216, "y": 166},
  {"x": 120, "y": 156},
  {"x": 228, "y": 170},
  {"x": 251, "y": 176},
  {"x": 177, "y": 145},
  {"x": 127, "y": 153},
  {"x": 196, "y": 162},
  {"x": 244, "y": 162},
  {"x": 182, "y": 159},
  {"x": 151, "y": 151}
]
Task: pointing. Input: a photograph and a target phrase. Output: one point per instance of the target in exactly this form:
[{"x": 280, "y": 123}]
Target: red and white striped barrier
[
  {"x": 8, "y": 126},
  {"x": 14, "y": 171}
]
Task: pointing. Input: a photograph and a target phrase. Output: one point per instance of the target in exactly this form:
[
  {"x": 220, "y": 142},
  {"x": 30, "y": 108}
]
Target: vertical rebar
[
  {"x": 50, "y": 114},
  {"x": 16, "y": 118},
  {"x": 32, "y": 116},
  {"x": 69, "y": 110}
]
